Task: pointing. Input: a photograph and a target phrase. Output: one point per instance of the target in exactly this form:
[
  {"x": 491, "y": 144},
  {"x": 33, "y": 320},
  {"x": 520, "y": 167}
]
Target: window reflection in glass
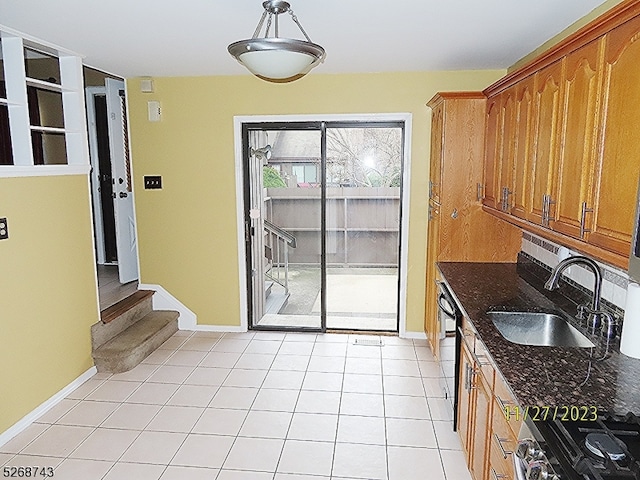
[
  {"x": 41, "y": 66},
  {"x": 48, "y": 148},
  {"x": 45, "y": 108},
  {"x": 6, "y": 152}
]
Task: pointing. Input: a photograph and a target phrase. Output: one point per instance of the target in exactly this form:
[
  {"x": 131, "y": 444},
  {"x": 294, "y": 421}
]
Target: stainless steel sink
[{"x": 538, "y": 328}]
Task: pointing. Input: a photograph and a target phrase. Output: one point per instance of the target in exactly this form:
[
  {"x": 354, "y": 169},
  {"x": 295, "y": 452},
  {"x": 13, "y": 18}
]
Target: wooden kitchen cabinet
[
  {"x": 500, "y": 150},
  {"x": 475, "y": 404},
  {"x": 465, "y": 402},
  {"x": 490, "y": 187},
  {"x": 488, "y": 438},
  {"x": 504, "y": 431},
  {"x": 435, "y": 165},
  {"x": 575, "y": 170},
  {"x": 507, "y": 150},
  {"x": 432, "y": 319},
  {"x": 573, "y": 195},
  {"x": 619, "y": 162},
  {"x": 548, "y": 120},
  {"x": 521, "y": 187},
  {"x": 458, "y": 229}
]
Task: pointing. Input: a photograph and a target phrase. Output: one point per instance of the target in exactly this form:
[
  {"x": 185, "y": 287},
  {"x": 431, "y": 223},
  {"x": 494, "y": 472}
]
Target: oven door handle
[{"x": 442, "y": 298}]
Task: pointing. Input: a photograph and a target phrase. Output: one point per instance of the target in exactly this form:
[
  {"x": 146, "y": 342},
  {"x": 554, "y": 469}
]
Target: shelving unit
[{"x": 70, "y": 156}]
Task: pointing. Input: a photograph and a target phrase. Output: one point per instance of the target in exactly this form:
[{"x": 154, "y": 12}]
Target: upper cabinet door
[
  {"x": 492, "y": 152},
  {"x": 435, "y": 166},
  {"x": 574, "y": 193},
  {"x": 619, "y": 162},
  {"x": 522, "y": 174},
  {"x": 548, "y": 122},
  {"x": 507, "y": 152}
]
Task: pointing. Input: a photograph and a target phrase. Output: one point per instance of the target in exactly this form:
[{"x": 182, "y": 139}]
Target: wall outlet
[
  {"x": 152, "y": 182},
  {"x": 4, "y": 229}
]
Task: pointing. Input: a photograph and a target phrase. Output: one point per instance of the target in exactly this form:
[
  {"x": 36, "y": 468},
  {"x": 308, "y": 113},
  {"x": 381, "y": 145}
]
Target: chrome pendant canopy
[{"x": 273, "y": 58}]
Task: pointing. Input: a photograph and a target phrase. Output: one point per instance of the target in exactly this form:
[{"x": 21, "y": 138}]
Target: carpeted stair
[{"x": 129, "y": 331}]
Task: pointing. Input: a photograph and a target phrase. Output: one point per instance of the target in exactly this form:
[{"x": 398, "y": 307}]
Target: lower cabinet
[
  {"x": 474, "y": 410},
  {"x": 502, "y": 446},
  {"x": 488, "y": 437}
]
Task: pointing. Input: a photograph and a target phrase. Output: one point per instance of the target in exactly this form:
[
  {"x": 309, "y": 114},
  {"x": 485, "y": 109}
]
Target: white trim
[
  {"x": 242, "y": 254},
  {"x": 133, "y": 188},
  {"x": 218, "y": 328},
  {"x": 36, "y": 43},
  {"x": 11, "y": 171},
  {"x": 414, "y": 335},
  {"x": 404, "y": 227},
  {"x": 163, "y": 300},
  {"x": 406, "y": 118},
  {"x": 90, "y": 93},
  {"x": 44, "y": 407}
]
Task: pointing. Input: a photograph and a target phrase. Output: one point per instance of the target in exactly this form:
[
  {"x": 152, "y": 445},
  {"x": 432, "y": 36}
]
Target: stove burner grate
[
  {"x": 607, "y": 449},
  {"x": 601, "y": 444}
]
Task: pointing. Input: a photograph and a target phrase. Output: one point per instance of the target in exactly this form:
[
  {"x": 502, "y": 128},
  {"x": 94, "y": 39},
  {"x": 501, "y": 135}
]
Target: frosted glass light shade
[
  {"x": 276, "y": 64},
  {"x": 277, "y": 58}
]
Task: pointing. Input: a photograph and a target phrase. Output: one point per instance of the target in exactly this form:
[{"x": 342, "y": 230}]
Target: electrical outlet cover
[{"x": 4, "y": 229}]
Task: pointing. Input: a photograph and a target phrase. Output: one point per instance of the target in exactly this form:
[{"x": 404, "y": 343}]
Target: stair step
[
  {"x": 131, "y": 346},
  {"x": 114, "y": 311},
  {"x": 276, "y": 302}
]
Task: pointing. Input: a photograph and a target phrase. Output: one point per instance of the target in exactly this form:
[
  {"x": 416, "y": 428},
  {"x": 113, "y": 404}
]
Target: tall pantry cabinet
[{"x": 458, "y": 229}]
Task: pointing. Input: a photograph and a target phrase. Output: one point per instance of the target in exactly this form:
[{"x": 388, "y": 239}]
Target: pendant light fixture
[{"x": 273, "y": 58}]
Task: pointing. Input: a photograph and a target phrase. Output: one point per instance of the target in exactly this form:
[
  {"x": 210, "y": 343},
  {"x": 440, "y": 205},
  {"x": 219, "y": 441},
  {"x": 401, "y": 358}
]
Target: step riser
[
  {"x": 101, "y": 333},
  {"x": 128, "y": 360}
]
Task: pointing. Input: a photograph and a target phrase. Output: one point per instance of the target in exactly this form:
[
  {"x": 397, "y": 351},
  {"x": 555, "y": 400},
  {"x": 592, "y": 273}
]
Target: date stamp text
[{"x": 564, "y": 413}]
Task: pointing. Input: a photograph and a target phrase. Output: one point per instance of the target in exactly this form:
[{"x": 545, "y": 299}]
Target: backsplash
[{"x": 549, "y": 254}]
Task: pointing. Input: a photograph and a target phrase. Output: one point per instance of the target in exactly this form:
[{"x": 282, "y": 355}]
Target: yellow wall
[
  {"x": 187, "y": 230},
  {"x": 47, "y": 288},
  {"x": 574, "y": 27}
]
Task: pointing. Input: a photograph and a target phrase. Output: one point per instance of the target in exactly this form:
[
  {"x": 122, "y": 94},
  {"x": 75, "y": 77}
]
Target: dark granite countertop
[{"x": 554, "y": 376}]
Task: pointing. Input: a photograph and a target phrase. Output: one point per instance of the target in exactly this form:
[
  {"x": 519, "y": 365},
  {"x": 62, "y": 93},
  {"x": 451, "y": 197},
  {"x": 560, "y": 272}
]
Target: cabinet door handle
[
  {"x": 479, "y": 191},
  {"x": 549, "y": 203},
  {"x": 497, "y": 476},
  {"x": 472, "y": 376},
  {"x": 431, "y": 189},
  {"x": 482, "y": 360},
  {"x": 502, "y": 403},
  {"x": 466, "y": 377},
  {"x": 505, "y": 198},
  {"x": 583, "y": 215},
  {"x": 505, "y": 453}
]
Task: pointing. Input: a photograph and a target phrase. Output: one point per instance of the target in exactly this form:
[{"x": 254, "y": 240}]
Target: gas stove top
[{"x": 605, "y": 449}]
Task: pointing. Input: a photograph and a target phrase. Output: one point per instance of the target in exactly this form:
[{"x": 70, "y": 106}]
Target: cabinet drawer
[
  {"x": 504, "y": 400},
  {"x": 499, "y": 467},
  {"x": 484, "y": 361},
  {"x": 503, "y": 444},
  {"x": 468, "y": 334}
]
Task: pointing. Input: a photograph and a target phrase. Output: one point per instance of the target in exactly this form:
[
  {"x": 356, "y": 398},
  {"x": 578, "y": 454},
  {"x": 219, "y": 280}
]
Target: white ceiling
[{"x": 190, "y": 37}]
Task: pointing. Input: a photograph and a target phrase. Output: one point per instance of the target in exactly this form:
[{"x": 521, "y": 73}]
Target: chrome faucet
[{"x": 594, "y": 309}]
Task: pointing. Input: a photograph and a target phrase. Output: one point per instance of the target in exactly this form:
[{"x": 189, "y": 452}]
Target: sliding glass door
[{"x": 322, "y": 224}]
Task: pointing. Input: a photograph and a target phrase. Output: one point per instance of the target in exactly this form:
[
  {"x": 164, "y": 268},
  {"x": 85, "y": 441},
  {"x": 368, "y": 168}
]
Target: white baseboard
[
  {"x": 163, "y": 300},
  {"x": 220, "y": 328},
  {"x": 32, "y": 416},
  {"x": 414, "y": 335}
]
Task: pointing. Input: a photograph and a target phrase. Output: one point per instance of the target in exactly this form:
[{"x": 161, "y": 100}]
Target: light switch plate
[
  {"x": 4, "y": 229},
  {"x": 154, "y": 111},
  {"x": 152, "y": 182}
]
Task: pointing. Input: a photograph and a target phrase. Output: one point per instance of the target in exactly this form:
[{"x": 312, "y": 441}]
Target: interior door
[{"x": 126, "y": 240}]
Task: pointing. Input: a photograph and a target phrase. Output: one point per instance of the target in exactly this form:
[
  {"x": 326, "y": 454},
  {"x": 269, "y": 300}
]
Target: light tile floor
[{"x": 254, "y": 406}]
